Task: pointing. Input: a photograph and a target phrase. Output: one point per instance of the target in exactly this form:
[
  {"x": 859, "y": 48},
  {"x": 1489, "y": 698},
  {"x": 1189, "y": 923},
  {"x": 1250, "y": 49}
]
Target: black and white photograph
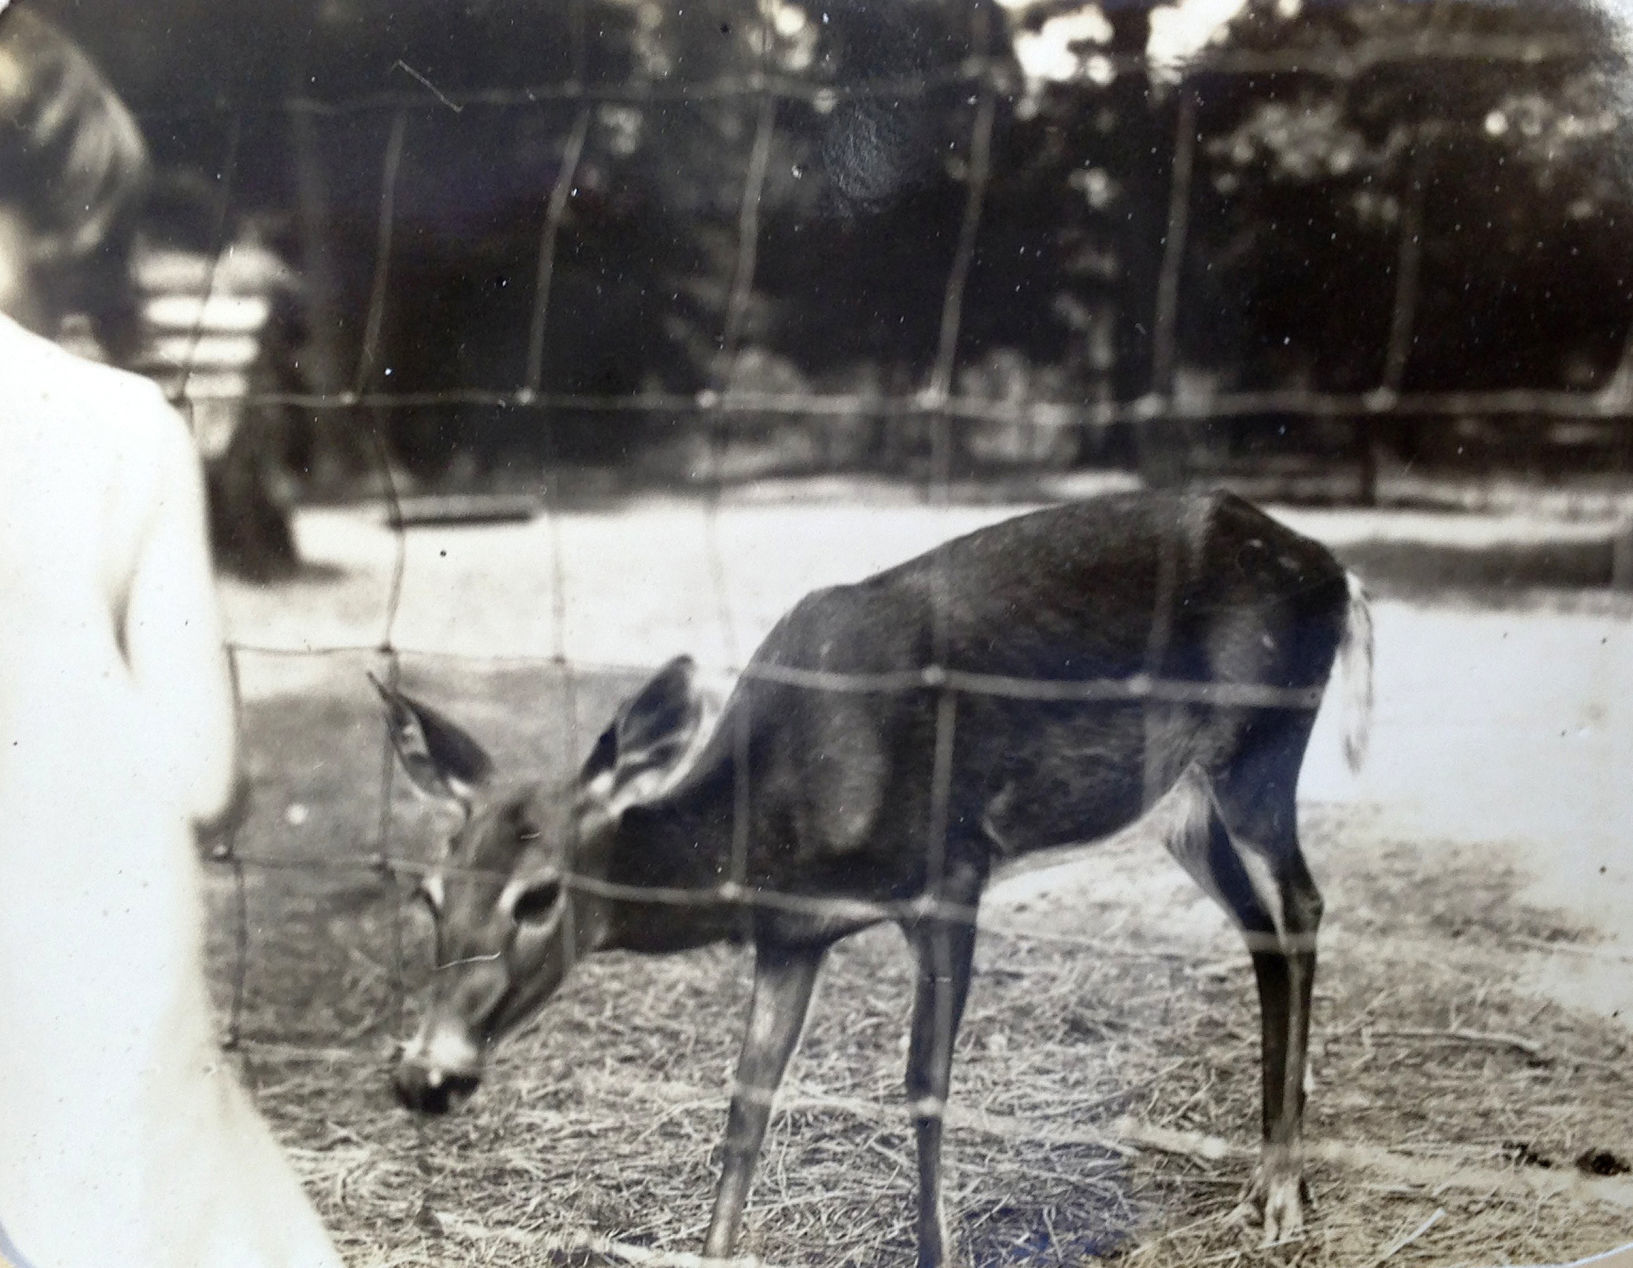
[{"x": 816, "y": 633}]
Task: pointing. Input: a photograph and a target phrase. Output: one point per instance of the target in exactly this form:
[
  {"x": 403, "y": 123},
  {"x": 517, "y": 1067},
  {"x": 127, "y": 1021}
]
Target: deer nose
[
  {"x": 429, "y": 1089},
  {"x": 439, "y": 1067}
]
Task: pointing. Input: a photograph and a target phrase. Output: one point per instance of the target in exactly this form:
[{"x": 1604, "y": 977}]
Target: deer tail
[{"x": 1355, "y": 667}]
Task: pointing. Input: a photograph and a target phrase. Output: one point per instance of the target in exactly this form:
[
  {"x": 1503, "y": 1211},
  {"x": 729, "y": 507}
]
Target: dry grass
[{"x": 1460, "y": 1102}]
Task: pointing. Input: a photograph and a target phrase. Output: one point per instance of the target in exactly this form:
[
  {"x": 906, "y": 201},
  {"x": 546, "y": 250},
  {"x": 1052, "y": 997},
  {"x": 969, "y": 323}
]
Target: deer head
[{"x": 509, "y": 919}]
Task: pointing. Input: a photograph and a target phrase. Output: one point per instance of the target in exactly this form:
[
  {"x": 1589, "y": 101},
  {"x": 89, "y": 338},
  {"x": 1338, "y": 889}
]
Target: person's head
[{"x": 73, "y": 170}]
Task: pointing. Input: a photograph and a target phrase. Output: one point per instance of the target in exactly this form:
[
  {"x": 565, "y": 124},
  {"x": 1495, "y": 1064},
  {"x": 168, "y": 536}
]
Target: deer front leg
[
  {"x": 945, "y": 948},
  {"x": 783, "y": 978}
]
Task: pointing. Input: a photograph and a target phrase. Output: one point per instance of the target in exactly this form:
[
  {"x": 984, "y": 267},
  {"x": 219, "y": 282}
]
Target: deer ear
[
  {"x": 653, "y": 728},
  {"x": 439, "y": 758}
]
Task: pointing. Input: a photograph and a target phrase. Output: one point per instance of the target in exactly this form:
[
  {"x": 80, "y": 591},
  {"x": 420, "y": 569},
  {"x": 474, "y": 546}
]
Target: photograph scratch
[{"x": 436, "y": 92}]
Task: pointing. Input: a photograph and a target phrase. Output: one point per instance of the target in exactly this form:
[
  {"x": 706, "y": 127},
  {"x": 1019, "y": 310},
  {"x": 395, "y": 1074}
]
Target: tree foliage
[{"x": 1411, "y": 194}]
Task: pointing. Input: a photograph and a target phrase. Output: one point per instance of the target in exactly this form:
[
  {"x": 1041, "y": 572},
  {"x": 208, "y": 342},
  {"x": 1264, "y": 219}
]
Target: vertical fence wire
[
  {"x": 1404, "y": 309},
  {"x": 1164, "y": 365},
  {"x": 387, "y": 651},
  {"x": 940, "y": 386},
  {"x": 550, "y": 232},
  {"x": 374, "y": 322},
  {"x": 1404, "y": 313},
  {"x": 942, "y": 974},
  {"x": 221, "y": 217},
  {"x": 226, "y": 850},
  {"x": 1165, "y": 318},
  {"x": 739, "y": 296},
  {"x": 549, "y": 241}
]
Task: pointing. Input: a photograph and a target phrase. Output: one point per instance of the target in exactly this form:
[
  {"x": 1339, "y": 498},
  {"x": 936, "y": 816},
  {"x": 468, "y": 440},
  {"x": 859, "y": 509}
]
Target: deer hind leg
[
  {"x": 783, "y": 979},
  {"x": 1237, "y": 837},
  {"x": 945, "y": 946}
]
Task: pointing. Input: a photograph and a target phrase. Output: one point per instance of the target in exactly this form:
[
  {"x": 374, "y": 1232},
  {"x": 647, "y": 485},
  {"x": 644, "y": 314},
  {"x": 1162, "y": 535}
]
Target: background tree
[{"x": 1412, "y": 196}]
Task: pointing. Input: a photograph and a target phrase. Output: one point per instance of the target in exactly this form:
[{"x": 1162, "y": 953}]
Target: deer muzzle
[{"x": 438, "y": 1070}]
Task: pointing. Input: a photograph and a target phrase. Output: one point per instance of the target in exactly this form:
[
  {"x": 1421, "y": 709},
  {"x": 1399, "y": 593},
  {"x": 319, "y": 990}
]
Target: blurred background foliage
[{"x": 1176, "y": 203}]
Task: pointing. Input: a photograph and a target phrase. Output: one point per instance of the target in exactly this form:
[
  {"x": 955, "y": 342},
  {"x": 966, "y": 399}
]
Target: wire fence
[
  {"x": 762, "y": 92},
  {"x": 986, "y": 79}
]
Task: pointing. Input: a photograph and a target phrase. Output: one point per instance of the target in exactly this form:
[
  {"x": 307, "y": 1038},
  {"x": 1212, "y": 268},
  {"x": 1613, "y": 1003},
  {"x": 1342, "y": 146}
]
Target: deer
[{"x": 1041, "y": 682}]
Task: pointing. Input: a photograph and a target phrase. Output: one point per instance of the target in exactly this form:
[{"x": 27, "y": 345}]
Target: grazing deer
[{"x": 1037, "y": 683}]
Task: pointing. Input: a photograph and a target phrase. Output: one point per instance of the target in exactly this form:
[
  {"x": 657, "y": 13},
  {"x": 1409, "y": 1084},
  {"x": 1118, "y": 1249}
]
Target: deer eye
[{"x": 535, "y": 903}]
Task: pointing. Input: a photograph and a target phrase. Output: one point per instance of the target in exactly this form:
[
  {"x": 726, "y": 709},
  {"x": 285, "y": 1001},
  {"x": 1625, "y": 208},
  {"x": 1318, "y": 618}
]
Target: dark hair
[{"x": 73, "y": 166}]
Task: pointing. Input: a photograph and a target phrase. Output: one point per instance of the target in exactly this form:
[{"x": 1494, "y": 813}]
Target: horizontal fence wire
[
  {"x": 1136, "y": 687},
  {"x": 1152, "y": 409},
  {"x": 1332, "y": 63}
]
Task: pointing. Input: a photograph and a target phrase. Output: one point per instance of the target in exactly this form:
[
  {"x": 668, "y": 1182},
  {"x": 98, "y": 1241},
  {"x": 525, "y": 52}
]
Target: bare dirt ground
[{"x": 1471, "y": 1078}]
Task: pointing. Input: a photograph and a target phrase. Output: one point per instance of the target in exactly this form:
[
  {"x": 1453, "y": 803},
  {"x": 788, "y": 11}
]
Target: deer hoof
[
  {"x": 1276, "y": 1204},
  {"x": 1283, "y": 1210}
]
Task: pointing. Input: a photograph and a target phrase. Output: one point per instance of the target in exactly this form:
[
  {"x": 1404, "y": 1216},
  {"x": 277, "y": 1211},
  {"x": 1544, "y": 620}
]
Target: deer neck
[{"x": 679, "y": 849}]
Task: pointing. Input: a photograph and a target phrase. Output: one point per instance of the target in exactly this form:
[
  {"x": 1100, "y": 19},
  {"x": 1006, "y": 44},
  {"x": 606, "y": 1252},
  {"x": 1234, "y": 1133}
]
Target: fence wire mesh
[{"x": 761, "y": 92}]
